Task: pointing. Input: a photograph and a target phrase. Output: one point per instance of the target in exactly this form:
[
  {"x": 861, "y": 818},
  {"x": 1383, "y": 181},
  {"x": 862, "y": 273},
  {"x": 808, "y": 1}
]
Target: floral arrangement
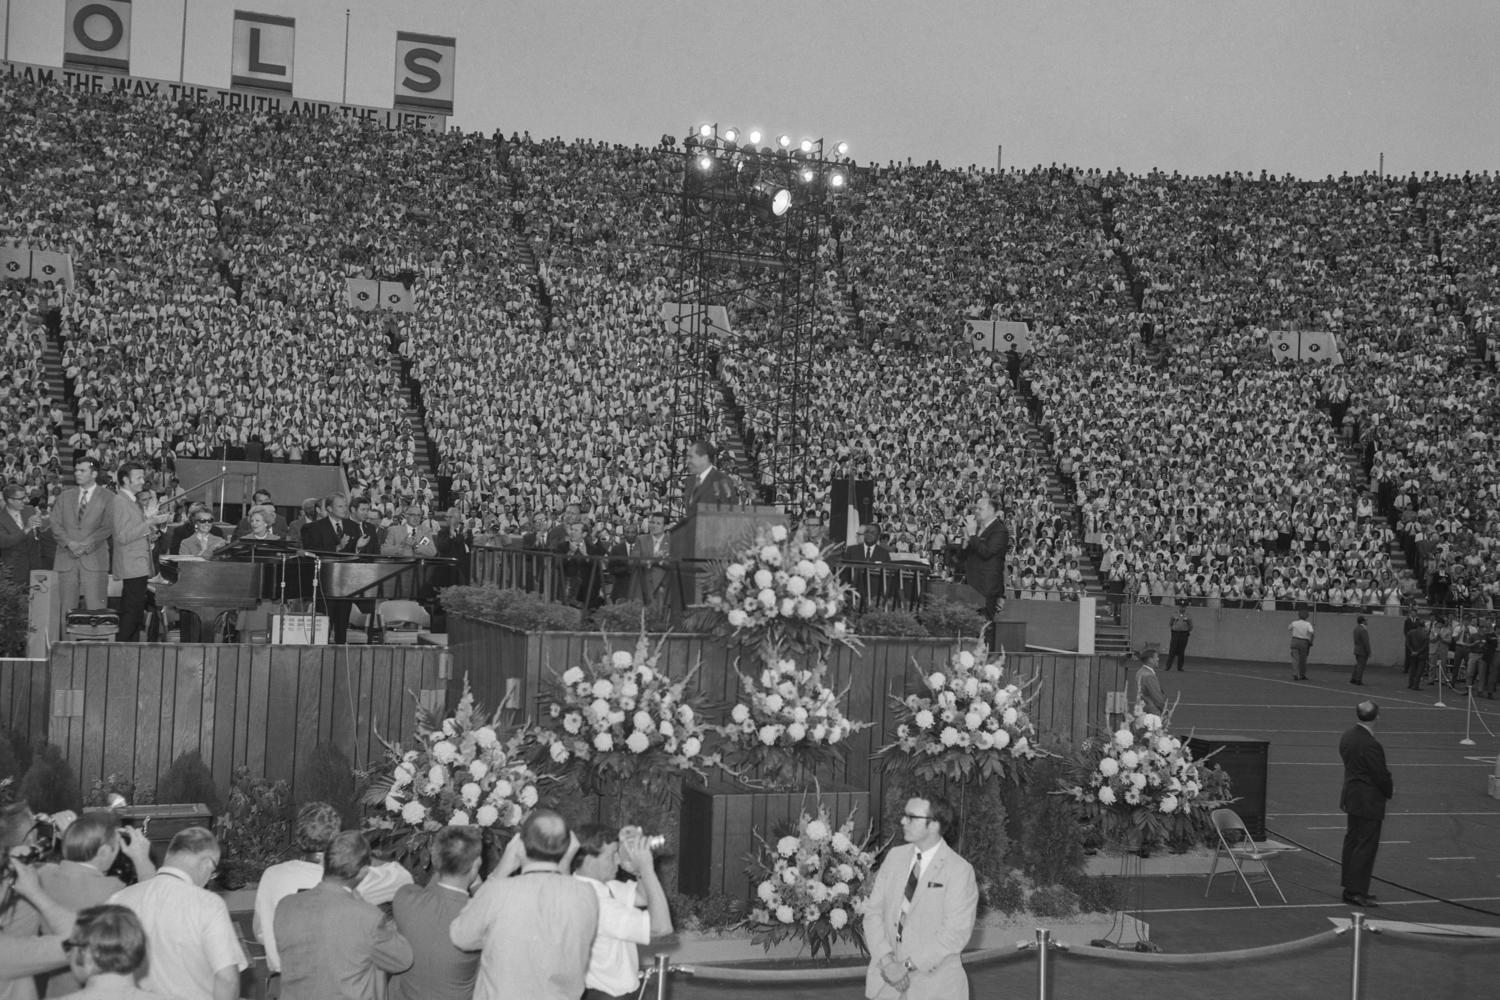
[
  {"x": 782, "y": 591},
  {"x": 621, "y": 718},
  {"x": 787, "y": 722},
  {"x": 968, "y": 724},
  {"x": 1139, "y": 785},
  {"x": 455, "y": 772},
  {"x": 812, "y": 885}
]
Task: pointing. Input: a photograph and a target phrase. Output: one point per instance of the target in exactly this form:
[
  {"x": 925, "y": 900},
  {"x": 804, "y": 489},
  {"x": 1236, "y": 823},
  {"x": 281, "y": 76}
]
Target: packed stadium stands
[{"x": 211, "y": 249}]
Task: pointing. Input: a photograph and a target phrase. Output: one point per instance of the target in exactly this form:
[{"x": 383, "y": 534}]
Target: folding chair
[
  {"x": 402, "y": 621},
  {"x": 1236, "y": 844}
]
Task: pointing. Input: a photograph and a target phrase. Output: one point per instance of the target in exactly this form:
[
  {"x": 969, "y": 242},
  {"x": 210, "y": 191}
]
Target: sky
[{"x": 1308, "y": 87}]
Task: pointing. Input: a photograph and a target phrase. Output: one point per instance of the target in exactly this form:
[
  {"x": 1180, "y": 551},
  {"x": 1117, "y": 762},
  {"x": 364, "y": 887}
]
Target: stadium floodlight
[
  {"x": 783, "y": 141},
  {"x": 773, "y": 196},
  {"x": 836, "y": 179},
  {"x": 808, "y": 175},
  {"x": 705, "y": 163},
  {"x": 731, "y": 134},
  {"x": 755, "y": 137},
  {"x": 705, "y": 130},
  {"x": 807, "y": 146},
  {"x": 842, "y": 149}
]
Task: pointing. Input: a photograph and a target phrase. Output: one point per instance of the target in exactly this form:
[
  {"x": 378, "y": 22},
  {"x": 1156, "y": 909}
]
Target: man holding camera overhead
[{"x": 631, "y": 912}]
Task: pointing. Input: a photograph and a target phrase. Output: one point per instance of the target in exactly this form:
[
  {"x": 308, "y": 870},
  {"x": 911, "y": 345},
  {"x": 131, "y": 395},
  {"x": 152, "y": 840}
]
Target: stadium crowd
[{"x": 209, "y": 314}]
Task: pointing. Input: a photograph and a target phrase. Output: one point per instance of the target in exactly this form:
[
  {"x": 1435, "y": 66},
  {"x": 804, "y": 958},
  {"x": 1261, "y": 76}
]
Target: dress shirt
[{"x": 188, "y": 933}]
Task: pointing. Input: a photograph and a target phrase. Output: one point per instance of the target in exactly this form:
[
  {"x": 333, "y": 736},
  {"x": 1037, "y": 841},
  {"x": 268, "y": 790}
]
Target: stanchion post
[
  {"x": 1043, "y": 940},
  {"x": 1359, "y": 934},
  {"x": 661, "y": 976}
]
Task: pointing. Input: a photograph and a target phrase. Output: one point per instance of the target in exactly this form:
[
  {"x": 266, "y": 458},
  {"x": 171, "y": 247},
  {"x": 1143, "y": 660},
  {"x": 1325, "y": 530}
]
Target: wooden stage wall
[{"x": 131, "y": 709}]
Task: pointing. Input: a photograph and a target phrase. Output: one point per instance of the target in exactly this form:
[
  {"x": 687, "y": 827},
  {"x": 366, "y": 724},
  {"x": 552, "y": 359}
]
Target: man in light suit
[
  {"x": 332, "y": 942},
  {"x": 1367, "y": 786},
  {"x": 81, "y": 523},
  {"x": 920, "y": 914},
  {"x": 131, "y": 535},
  {"x": 655, "y": 546},
  {"x": 416, "y": 536}
]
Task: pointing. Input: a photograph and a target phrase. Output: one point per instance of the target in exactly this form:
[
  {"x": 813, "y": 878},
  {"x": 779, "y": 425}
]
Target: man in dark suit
[
  {"x": 439, "y": 971},
  {"x": 1361, "y": 650},
  {"x": 20, "y": 535},
  {"x": 1367, "y": 786},
  {"x": 332, "y": 942},
  {"x": 984, "y": 563},
  {"x": 338, "y": 534},
  {"x": 705, "y": 484},
  {"x": 868, "y": 580}
]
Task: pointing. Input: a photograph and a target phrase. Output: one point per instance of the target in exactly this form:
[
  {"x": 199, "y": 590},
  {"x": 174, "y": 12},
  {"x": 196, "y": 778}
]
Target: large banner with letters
[
  {"x": 690, "y": 317},
  {"x": 264, "y": 46},
  {"x": 99, "y": 82},
  {"x": 424, "y": 72},
  {"x": 96, "y": 34},
  {"x": 20, "y": 263},
  {"x": 1305, "y": 345},
  {"x": 999, "y": 335}
]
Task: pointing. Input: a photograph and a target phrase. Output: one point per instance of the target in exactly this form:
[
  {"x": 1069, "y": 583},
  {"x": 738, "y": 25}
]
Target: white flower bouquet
[
  {"x": 787, "y": 722},
  {"x": 968, "y": 723},
  {"x": 1140, "y": 787},
  {"x": 780, "y": 590},
  {"x": 621, "y": 718},
  {"x": 456, "y": 771},
  {"x": 812, "y": 885}
]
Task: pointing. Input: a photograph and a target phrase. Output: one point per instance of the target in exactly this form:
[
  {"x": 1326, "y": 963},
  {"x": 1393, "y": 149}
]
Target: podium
[{"x": 714, "y": 531}]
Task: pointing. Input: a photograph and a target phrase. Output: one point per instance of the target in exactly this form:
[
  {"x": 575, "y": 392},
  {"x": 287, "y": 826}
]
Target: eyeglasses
[
  {"x": 204, "y": 521},
  {"x": 913, "y": 816}
]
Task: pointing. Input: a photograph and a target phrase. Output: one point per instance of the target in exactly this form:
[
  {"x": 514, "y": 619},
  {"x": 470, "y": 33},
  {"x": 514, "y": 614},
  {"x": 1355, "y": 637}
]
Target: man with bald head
[
  {"x": 1367, "y": 786},
  {"x": 533, "y": 926}
]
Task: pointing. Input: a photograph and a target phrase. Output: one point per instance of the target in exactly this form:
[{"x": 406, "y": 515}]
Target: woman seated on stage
[
  {"x": 202, "y": 543},
  {"x": 260, "y": 526}
]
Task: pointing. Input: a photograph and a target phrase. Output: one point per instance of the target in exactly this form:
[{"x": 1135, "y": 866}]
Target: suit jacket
[
  {"x": 128, "y": 539},
  {"x": 856, "y": 553},
  {"x": 1148, "y": 690},
  {"x": 334, "y": 945},
  {"x": 322, "y": 536},
  {"x": 439, "y": 971},
  {"x": 1367, "y": 781},
  {"x": 402, "y": 540},
  {"x": 1361, "y": 641},
  {"x": 715, "y": 488},
  {"x": 91, "y": 531},
  {"x": 984, "y": 565},
  {"x": 19, "y": 549},
  {"x": 938, "y": 926}
]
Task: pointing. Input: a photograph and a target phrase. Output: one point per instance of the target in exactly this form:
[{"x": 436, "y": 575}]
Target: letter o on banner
[
  {"x": 97, "y": 34},
  {"x": 424, "y": 72}
]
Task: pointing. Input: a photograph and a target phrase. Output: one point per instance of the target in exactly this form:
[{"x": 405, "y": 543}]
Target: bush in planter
[
  {"x": 517, "y": 608},
  {"x": 1053, "y": 901},
  {"x": 189, "y": 780},
  {"x": 13, "y": 619},
  {"x": 715, "y": 913},
  {"x": 1098, "y": 893},
  {"x": 1008, "y": 895},
  {"x": 326, "y": 776},
  {"x": 949, "y": 619},
  {"x": 1048, "y": 838},
  {"x": 254, "y": 830},
  {"x": 101, "y": 789},
  {"x": 626, "y": 616},
  {"x": 882, "y": 621},
  {"x": 50, "y": 785}
]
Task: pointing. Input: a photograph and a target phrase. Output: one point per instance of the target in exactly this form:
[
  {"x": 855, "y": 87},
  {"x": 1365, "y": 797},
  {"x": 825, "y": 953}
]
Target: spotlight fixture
[
  {"x": 705, "y": 163},
  {"x": 808, "y": 175},
  {"x": 806, "y": 146},
  {"x": 730, "y": 135},
  {"x": 836, "y": 179},
  {"x": 755, "y": 137},
  {"x": 774, "y": 197},
  {"x": 783, "y": 141},
  {"x": 705, "y": 130},
  {"x": 842, "y": 149}
]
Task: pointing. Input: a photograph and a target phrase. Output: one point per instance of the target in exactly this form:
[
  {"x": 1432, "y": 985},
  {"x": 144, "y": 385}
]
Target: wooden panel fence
[
  {"x": 131, "y": 709},
  {"x": 24, "y": 699}
]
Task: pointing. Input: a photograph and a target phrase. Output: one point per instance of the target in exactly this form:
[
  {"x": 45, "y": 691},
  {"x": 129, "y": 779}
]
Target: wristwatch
[{"x": 910, "y": 965}]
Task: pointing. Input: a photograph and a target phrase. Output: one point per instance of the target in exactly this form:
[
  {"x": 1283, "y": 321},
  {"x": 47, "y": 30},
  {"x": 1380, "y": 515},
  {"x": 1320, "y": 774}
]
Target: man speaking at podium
[{"x": 706, "y": 484}]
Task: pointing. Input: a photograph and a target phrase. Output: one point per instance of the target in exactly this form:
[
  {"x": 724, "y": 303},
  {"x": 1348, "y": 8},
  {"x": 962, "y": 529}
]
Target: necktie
[
  {"x": 83, "y": 502},
  {"x": 911, "y": 890}
]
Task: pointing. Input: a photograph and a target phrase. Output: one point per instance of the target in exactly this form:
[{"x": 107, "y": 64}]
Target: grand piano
[{"x": 247, "y": 573}]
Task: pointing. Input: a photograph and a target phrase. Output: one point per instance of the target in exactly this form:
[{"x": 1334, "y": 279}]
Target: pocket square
[{"x": 934, "y": 885}]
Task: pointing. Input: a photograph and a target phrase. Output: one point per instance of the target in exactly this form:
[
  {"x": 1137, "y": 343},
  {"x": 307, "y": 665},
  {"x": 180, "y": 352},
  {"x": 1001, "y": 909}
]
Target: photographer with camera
[
  {"x": 32, "y": 923},
  {"x": 90, "y": 848},
  {"x": 631, "y": 912}
]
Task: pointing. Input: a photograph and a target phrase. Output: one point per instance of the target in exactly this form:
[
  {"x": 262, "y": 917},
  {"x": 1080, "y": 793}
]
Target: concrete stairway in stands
[
  {"x": 412, "y": 411},
  {"x": 56, "y": 386},
  {"x": 1354, "y": 458}
]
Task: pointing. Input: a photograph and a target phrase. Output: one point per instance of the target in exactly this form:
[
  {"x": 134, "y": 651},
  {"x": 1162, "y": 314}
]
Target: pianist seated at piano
[
  {"x": 202, "y": 543},
  {"x": 173, "y": 538}
]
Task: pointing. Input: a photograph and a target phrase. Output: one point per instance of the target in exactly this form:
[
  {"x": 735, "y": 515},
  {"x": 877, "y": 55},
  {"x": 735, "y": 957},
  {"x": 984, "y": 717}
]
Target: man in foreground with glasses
[
  {"x": 920, "y": 913},
  {"x": 195, "y": 952},
  {"x": 107, "y": 953}
]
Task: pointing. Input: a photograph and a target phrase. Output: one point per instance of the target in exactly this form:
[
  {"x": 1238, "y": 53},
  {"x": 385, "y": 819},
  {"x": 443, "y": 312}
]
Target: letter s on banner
[
  {"x": 96, "y": 34},
  {"x": 424, "y": 72}
]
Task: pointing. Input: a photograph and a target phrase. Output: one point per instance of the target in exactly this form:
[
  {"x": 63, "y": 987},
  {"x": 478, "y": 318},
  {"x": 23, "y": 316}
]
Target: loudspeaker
[
  {"x": 1244, "y": 759},
  {"x": 863, "y": 502}
]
